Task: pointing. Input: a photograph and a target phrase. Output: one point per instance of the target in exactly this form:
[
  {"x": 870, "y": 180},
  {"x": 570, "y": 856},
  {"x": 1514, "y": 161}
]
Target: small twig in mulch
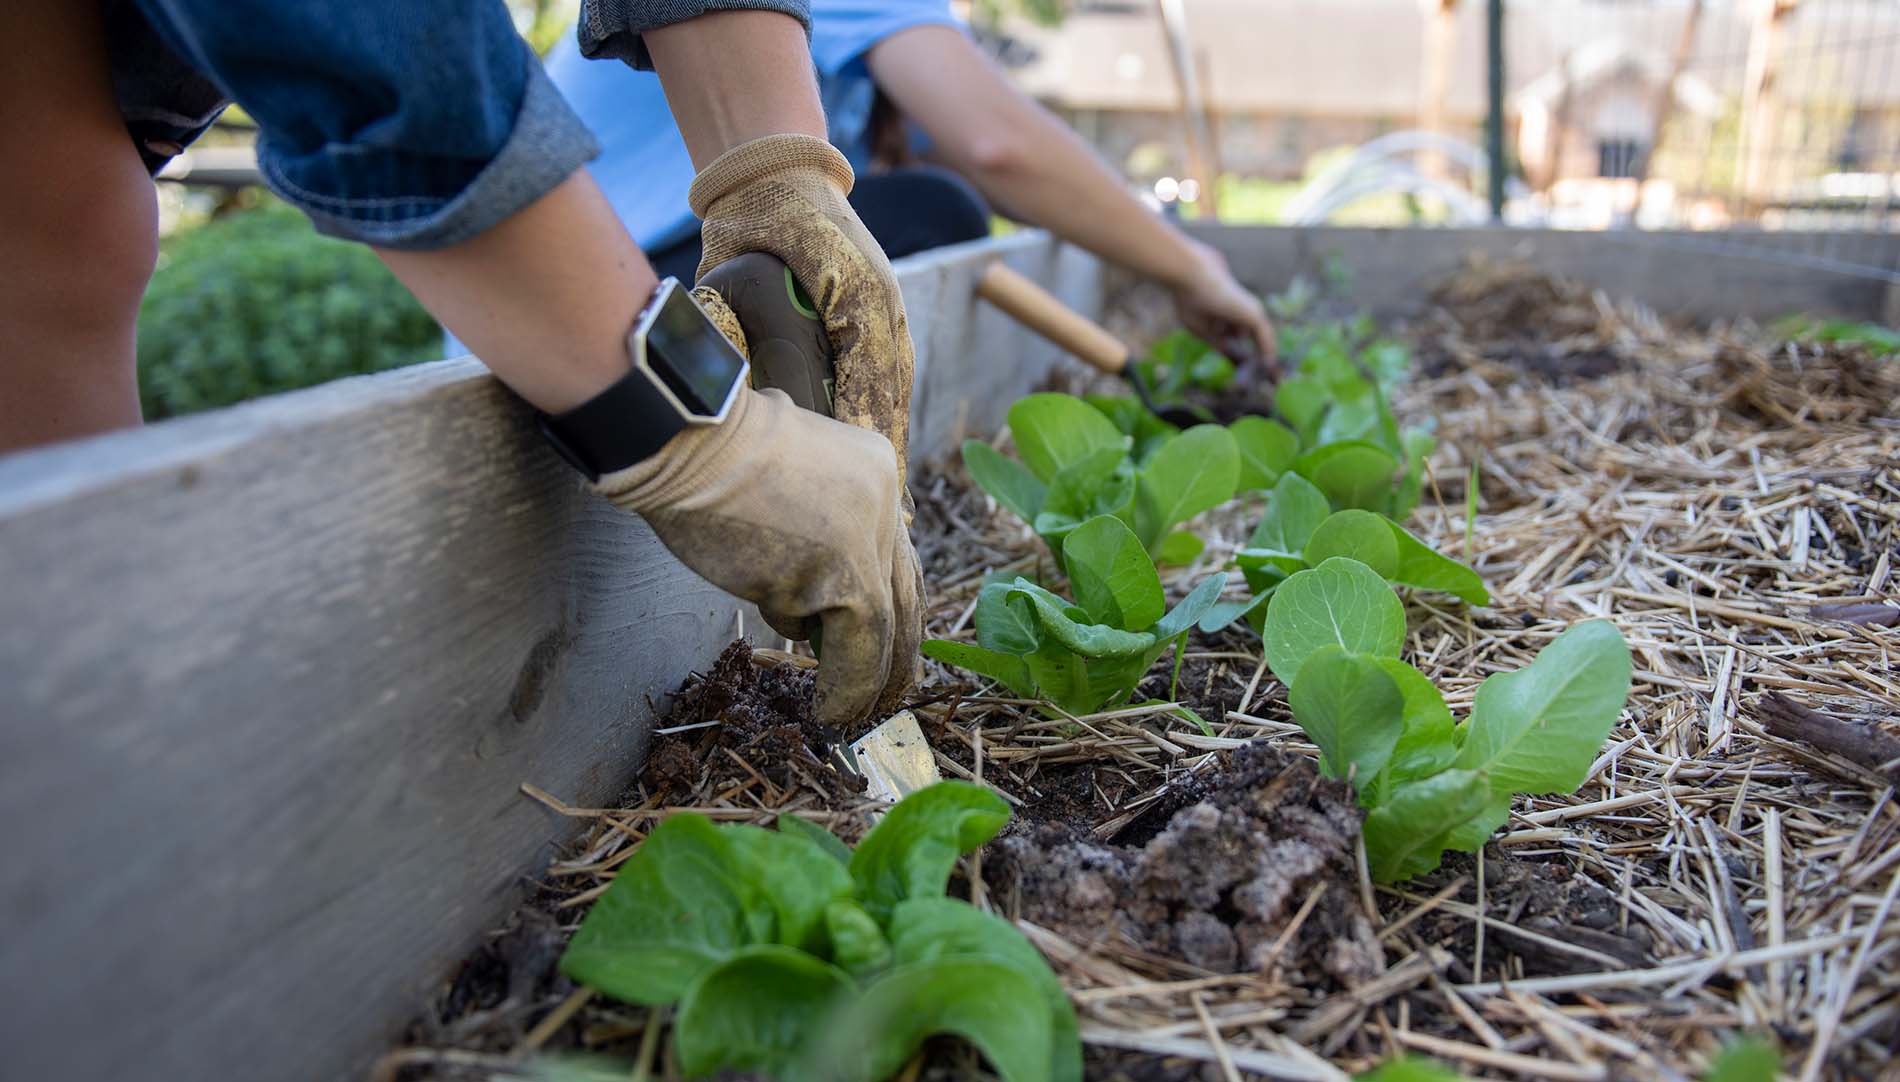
[{"x": 1859, "y": 743}]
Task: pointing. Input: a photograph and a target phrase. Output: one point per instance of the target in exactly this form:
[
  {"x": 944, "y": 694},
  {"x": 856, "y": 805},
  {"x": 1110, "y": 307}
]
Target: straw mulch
[{"x": 1731, "y": 866}]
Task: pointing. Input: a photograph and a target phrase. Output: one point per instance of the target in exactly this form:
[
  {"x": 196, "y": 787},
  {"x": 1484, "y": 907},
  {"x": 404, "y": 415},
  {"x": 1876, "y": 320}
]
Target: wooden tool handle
[{"x": 1036, "y": 308}]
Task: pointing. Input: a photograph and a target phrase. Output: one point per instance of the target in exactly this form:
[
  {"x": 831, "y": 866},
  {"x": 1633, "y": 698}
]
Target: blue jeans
[{"x": 399, "y": 123}]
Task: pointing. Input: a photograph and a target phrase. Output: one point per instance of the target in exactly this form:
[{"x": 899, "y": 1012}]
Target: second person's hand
[{"x": 1219, "y": 309}]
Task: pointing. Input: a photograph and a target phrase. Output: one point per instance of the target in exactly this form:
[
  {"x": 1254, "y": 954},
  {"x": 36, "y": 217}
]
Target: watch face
[{"x": 689, "y": 354}]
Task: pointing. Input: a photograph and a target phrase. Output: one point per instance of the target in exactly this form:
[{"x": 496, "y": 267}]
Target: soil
[
  {"x": 761, "y": 722},
  {"x": 1219, "y": 886}
]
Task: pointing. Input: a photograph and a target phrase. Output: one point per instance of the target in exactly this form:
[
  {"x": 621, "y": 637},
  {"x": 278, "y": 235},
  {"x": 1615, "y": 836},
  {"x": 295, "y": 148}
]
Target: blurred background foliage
[{"x": 254, "y": 302}]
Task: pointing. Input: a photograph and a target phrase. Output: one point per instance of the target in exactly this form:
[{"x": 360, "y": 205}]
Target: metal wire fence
[{"x": 1769, "y": 127}]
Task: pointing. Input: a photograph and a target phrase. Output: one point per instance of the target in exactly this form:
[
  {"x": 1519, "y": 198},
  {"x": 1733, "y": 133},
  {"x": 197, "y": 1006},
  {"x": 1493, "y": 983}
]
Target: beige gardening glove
[
  {"x": 785, "y": 195},
  {"x": 800, "y": 515}
]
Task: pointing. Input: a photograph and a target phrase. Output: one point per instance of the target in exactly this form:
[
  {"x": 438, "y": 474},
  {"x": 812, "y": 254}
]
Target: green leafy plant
[
  {"x": 1333, "y": 635},
  {"x": 1299, "y": 530},
  {"x": 258, "y": 302},
  {"x": 1876, "y": 338},
  {"x": 1179, "y": 362},
  {"x": 1077, "y": 465},
  {"x": 790, "y": 954},
  {"x": 1090, "y": 653}
]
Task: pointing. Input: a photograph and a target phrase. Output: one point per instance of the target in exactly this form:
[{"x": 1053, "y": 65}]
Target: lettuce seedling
[
  {"x": 1332, "y": 635},
  {"x": 1077, "y": 465},
  {"x": 1336, "y": 404},
  {"x": 790, "y": 954},
  {"x": 1090, "y": 653},
  {"x": 1299, "y": 531}
]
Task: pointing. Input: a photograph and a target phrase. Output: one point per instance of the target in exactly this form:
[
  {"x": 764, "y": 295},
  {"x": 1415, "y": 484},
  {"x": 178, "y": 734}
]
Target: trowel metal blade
[{"x": 895, "y": 759}]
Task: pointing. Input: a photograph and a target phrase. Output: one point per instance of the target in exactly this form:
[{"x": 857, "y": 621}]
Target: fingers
[
  {"x": 855, "y": 668},
  {"x": 907, "y": 626}
]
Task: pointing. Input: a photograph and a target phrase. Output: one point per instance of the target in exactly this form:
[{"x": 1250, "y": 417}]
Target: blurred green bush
[{"x": 257, "y": 302}]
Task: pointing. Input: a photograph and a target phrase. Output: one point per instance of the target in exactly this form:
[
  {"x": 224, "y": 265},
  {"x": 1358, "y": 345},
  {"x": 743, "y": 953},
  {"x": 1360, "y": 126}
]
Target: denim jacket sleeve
[{"x": 611, "y": 29}]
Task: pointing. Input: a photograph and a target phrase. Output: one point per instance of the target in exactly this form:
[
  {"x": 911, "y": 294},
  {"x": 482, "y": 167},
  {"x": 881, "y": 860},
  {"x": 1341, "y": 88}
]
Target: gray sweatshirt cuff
[{"x": 611, "y": 29}]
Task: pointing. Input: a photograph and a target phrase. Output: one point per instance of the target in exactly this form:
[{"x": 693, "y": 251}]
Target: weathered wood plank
[
  {"x": 1695, "y": 275},
  {"x": 270, "y": 679}
]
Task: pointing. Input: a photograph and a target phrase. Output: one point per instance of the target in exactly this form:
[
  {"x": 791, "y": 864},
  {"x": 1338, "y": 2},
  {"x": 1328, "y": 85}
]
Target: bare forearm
[
  {"x": 1022, "y": 158},
  {"x": 1063, "y": 187},
  {"x": 734, "y": 76},
  {"x": 544, "y": 299}
]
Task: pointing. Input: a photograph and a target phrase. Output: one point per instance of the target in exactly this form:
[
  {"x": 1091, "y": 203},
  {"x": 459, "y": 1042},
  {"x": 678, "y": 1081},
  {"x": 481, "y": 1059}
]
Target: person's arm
[
  {"x": 1028, "y": 163},
  {"x": 786, "y": 508},
  {"x": 545, "y": 297}
]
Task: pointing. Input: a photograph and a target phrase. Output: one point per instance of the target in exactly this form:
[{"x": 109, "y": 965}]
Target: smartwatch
[{"x": 684, "y": 372}]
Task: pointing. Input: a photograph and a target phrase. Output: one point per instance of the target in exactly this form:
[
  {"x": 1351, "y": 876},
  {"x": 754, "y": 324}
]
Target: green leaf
[
  {"x": 1009, "y": 671},
  {"x": 1351, "y": 474},
  {"x": 1294, "y": 511},
  {"x": 1004, "y": 479},
  {"x": 1340, "y": 602},
  {"x": 1428, "y": 744},
  {"x": 1003, "y": 624},
  {"x": 1417, "y": 444},
  {"x": 1179, "y": 549},
  {"x": 1405, "y": 835},
  {"x": 1102, "y": 483},
  {"x": 856, "y": 941},
  {"x": 910, "y": 852},
  {"x": 1751, "y": 1058},
  {"x": 817, "y": 835},
  {"x": 756, "y": 1010},
  {"x": 1411, "y": 1069},
  {"x": 1191, "y": 609},
  {"x": 977, "y": 999},
  {"x": 1195, "y": 471},
  {"x": 1420, "y": 567},
  {"x": 1267, "y": 450},
  {"x": 1302, "y": 402},
  {"x": 678, "y": 907},
  {"x": 1537, "y": 730},
  {"x": 935, "y": 929},
  {"x": 1350, "y": 708},
  {"x": 1071, "y": 627},
  {"x": 1470, "y": 835},
  {"x": 1358, "y": 535},
  {"x": 1220, "y": 616},
  {"x": 1053, "y": 431},
  {"x": 1355, "y": 413},
  {"x": 795, "y": 876},
  {"x": 1135, "y": 420},
  {"x": 1113, "y": 578}
]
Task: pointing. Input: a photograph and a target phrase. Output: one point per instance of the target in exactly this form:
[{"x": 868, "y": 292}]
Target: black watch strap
[{"x": 624, "y": 424}]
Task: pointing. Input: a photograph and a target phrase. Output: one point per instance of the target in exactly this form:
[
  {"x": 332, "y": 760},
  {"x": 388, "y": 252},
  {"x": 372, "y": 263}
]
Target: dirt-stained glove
[
  {"x": 785, "y": 194},
  {"x": 800, "y": 515}
]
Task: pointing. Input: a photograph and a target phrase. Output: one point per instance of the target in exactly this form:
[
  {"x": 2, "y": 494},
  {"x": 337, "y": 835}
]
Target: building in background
[{"x": 1773, "y": 107}]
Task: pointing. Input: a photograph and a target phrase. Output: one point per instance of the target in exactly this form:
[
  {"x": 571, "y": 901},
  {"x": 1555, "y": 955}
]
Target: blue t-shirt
[{"x": 643, "y": 165}]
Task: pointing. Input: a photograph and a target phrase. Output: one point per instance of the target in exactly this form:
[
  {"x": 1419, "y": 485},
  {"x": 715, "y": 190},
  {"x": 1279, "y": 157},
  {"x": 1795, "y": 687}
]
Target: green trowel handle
[{"x": 782, "y": 330}]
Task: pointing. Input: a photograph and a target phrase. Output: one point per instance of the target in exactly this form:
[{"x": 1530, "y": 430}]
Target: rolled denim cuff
[
  {"x": 548, "y": 143},
  {"x": 612, "y": 29}
]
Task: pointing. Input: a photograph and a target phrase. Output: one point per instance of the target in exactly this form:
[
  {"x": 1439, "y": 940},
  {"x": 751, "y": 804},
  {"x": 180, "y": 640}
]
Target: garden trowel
[{"x": 790, "y": 352}]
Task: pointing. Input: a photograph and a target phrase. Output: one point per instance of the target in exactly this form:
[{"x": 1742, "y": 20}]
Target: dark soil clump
[
  {"x": 762, "y": 715},
  {"x": 1220, "y": 886}
]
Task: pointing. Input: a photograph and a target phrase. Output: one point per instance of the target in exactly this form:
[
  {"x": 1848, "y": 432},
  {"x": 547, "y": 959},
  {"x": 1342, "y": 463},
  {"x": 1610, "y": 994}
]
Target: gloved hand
[
  {"x": 800, "y": 515},
  {"x": 785, "y": 194}
]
